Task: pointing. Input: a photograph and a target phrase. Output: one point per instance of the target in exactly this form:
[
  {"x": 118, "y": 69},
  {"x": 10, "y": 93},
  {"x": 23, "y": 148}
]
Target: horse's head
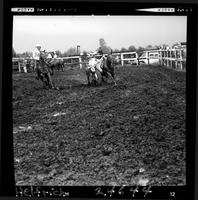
[{"x": 43, "y": 55}]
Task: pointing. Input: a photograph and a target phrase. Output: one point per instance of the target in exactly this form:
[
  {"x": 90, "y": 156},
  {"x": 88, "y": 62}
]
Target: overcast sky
[{"x": 62, "y": 32}]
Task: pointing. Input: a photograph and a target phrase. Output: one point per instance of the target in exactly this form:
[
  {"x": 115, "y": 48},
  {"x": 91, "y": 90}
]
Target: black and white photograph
[{"x": 99, "y": 100}]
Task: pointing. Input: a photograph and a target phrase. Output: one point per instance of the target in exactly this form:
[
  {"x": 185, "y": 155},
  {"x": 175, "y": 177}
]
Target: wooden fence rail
[{"x": 173, "y": 58}]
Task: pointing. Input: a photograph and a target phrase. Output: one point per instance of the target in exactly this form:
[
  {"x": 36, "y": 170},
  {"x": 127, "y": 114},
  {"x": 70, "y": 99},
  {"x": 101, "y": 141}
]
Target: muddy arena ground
[{"x": 132, "y": 133}]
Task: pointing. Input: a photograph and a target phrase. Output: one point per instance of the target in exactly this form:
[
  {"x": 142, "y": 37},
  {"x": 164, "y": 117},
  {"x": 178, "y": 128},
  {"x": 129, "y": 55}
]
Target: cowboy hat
[{"x": 38, "y": 45}]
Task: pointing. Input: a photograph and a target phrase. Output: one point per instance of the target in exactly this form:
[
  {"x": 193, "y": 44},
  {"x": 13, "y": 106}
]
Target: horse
[
  {"x": 107, "y": 68},
  {"x": 44, "y": 72},
  {"x": 93, "y": 71},
  {"x": 102, "y": 66},
  {"x": 57, "y": 64}
]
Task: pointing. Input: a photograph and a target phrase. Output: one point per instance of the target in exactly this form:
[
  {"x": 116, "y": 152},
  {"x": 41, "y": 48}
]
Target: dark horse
[
  {"x": 56, "y": 64},
  {"x": 44, "y": 72},
  {"x": 108, "y": 68}
]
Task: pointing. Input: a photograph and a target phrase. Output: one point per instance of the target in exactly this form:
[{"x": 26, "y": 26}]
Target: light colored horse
[
  {"x": 93, "y": 67},
  {"x": 103, "y": 65}
]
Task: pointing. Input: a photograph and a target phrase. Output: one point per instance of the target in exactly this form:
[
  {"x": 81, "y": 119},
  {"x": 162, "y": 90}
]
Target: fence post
[
  {"x": 122, "y": 61},
  {"x": 181, "y": 59},
  {"x": 175, "y": 58},
  {"x": 171, "y": 61},
  {"x": 25, "y": 68},
  {"x": 19, "y": 67},
  {"x": 80, "y": 61},
  {"x": 163, "y": 58}
]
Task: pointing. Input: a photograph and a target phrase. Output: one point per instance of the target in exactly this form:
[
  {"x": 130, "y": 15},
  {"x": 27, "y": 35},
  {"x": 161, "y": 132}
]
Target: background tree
[
  {"x": 84, "y": 55},
  {"x": 132, "y": 48},
  {"x": 149, "y": 47},
  {"x": 58, "y": 53},
  {"x": 156, "y": 47},
  {"x": 102, "y": 42},
  {"x": 71, "y": 51},
  {"x": 164, "y": 46},
  {"x": 27, "y": 54},
  {"x": 103, "y": 46},
  {"x": 84, "y": 52},
  {"x": 140, "y": 49},
  {"x": 64, "y": 54},
  {"x": 116, "y": 50},
  {"x": 123, "y": 49}
]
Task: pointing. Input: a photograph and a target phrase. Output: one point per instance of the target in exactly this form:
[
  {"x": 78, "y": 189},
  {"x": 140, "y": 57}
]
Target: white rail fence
[
  {"x": 129, "y": 57},
  {"x": 73, "y": 60},
  {"x": 149, "y": 57},
  {"x": 173, "y": 58}
]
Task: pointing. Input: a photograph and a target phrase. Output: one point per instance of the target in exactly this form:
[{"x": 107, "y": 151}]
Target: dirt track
[{"x": 130, "y": 134}]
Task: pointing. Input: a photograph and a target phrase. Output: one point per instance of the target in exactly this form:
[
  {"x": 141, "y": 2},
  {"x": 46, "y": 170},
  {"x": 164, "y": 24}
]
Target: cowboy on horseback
[
  {"x": 94, "y": 63},
  {"x": 92, "y": 67},
  {"x": 103, "y": 65},
  {"x": 107, "y": 66},
  {"x": 42, "y": 68}
]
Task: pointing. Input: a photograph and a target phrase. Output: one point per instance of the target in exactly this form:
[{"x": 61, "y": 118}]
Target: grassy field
[{"x": 132, "y": 133}]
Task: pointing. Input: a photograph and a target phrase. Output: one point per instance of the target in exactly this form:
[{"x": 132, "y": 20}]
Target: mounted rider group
[{"x": 97, "y": 70}]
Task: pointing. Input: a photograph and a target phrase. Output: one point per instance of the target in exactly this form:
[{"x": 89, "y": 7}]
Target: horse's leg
[
  {"x": 37, "y": 73},
  {"x": 112, "y": 73},
  {"x": 88, "y": 78},
  {"x": 52, "y": 70},
  {"x": 60, "y": 67},
  {"x": 95, "y": 79},
  {"x": 44, "y": 81},
  {"x": 49, "y": 80},
  {"x": 37, "y": 64},
  {"x": 112, "y": 77},
  {"x": 40, "y": 77},
  {"x": 102, "y": 77}
]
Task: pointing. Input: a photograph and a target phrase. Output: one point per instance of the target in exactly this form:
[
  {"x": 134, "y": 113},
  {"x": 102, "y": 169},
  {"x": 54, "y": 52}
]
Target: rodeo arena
[{"x": 100, "y": 119}]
